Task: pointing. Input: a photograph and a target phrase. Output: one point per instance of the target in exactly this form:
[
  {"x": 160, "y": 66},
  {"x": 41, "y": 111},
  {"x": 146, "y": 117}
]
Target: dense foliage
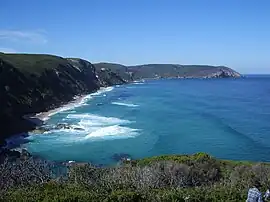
[{"x": 198, "y": 177}]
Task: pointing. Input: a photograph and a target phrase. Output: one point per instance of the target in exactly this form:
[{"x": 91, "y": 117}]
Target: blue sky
[{"x": 235, "y": 33}]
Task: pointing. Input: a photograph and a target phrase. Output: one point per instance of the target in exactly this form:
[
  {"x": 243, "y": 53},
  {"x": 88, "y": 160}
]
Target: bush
[
  {"x": 25, "y": 172},
  {"x": 199, "y": 177}
]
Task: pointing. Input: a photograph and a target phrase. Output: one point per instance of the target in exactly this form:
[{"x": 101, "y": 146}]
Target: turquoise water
[{"x": 228, "y": 118}]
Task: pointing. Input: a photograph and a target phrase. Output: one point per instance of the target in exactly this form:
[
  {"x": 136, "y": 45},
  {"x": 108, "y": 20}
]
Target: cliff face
[{"x": 32, "y": 83}]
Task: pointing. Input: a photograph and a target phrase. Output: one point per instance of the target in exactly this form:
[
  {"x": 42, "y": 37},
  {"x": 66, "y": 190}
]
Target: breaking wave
[
  {"x": 113, "y": 132},
  {"x": 125, "y": 104},
  {"x": 77, "y": 102}
]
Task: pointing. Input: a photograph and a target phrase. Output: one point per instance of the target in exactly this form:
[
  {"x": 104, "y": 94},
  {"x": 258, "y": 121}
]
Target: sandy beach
[
  {"x": 77, "y": 101},
  {"x": 39, "y": 118}
]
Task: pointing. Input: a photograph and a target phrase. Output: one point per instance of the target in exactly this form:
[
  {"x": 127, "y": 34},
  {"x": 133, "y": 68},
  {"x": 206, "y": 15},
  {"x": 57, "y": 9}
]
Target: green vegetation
[
  {"x": 119, "y": 69},
  {"x": 33, "y": 83},
  {"x": 33, "y": 63},
  {"x": 198, "y": 177},
  {"x": 156, "y": 71},
  {"x": 181, "y": 71}
]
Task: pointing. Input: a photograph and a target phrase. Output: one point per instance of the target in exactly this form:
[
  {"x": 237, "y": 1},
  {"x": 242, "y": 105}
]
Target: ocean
[{"x": 227, "y": 118}]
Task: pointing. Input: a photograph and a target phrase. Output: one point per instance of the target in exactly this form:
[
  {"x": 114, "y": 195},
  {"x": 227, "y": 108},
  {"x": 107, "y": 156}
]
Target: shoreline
[
  {"x": 44, "y": 116},
  {"x": 78, "y": 100},
  {"x": 16, "y": 140}
]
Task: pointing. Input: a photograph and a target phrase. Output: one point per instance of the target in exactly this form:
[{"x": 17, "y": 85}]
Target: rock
[
  {"x": 63, "y": 126},
  {"x": 9, "y": 154},
  {"x": 3, "y": 143},
  {"x": 40, "y": 130},
  {"x": 24, "y": 154},
  {"x": 76, "y": 128},
  {"x": 67, "y": 126},
  {"x": 14, "y": 154},
  {"x": 121, "y": 157}
]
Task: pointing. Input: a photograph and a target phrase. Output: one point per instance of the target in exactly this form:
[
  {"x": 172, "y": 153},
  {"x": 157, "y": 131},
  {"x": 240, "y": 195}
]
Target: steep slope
[
  {"x": 119, "y": 69},
  {"x": 33, "y": 83},
  {"x": 111, "y": 74}
]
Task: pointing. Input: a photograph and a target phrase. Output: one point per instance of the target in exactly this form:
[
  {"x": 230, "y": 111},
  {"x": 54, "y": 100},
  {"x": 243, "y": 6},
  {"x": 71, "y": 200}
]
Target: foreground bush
[
  {"x": 199, "y": 177},
  {"x": 67, "y": 192}
]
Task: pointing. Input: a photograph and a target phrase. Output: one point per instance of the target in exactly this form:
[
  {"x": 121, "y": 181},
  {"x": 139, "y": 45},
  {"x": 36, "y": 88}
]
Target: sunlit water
[{"x": 228, "y": 118}]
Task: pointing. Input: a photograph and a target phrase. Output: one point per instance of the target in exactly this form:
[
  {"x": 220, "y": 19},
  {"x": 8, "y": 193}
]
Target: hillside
[
  {"x": 32, "y": 83},
  {"x": 157, "y": 71},
  {"x": 198, "y": 177}
]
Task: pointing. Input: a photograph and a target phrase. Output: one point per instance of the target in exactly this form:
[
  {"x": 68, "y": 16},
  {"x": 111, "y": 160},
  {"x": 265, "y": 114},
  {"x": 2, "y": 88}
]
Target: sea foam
[
  {"x": 95, "y": 120},
  {"x": 77, "y": 102},
  {"x": 113, "y": 132},
  {"x": 125, "y": 104}
]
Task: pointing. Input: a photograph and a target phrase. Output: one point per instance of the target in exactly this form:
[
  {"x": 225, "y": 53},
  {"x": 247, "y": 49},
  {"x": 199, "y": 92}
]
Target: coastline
[
  {"x": 16, "y": 140},
  {"x": 44, "y": 116},
  {"x": 77, "y": 101}
]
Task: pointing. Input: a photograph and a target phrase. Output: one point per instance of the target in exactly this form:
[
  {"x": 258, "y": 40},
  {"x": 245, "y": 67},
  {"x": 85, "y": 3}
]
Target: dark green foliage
[
  {"x": 33, "y": 63},
  {"x": 197, "y": 177}
]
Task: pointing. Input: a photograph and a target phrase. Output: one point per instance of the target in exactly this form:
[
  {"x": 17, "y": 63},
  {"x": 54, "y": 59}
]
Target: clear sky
[{"x": 235, "y": 33}]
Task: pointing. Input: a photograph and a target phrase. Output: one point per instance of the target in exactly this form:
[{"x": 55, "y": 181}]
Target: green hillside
[
  {"x": 156, "y": 71},
  {"x": 33, "y": 63},
  {"x": 33, "y": 83}
]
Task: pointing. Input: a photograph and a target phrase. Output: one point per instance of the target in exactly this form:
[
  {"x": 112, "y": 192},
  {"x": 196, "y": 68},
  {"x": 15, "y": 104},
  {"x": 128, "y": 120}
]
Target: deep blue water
[{"x": 228, "y": 118}]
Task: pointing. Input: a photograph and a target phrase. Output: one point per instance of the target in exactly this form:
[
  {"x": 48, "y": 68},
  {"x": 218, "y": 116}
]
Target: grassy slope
[
  {"x": 131, "y": 182},
  {"x": 36, "y": 63},
  {"x": 31, "y": 83},
  {"x": 33, "y": 63}
]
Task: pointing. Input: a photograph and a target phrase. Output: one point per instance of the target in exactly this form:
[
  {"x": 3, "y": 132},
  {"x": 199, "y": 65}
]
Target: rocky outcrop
[
  {"x": 31, "y": 83},
  {"x": 13, "y": 154}
]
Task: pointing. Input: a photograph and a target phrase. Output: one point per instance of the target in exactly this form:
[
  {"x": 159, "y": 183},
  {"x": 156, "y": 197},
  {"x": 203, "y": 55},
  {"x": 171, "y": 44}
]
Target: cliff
[
  {"x": 35, "y": 83},
  {"x": 32, "y": 83}
]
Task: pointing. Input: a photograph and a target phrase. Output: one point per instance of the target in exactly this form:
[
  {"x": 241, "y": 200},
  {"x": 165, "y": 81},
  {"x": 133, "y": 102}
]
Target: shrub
[
  {"x": 25, "y": 172},
  {"x": 199, "y": 177}
]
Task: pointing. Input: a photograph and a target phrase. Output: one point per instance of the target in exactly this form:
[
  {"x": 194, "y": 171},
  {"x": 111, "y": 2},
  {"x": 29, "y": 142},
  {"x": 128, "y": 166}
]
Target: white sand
[{"x": 43, "y": 116}]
